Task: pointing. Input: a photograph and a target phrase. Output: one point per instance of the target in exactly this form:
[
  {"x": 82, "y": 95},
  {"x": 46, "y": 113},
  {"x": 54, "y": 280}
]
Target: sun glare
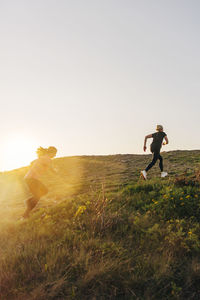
[{"x": 18, "y": 151}]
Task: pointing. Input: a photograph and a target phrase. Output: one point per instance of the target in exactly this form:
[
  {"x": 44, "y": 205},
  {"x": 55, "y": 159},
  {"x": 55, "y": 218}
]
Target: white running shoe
[
  {"x": 144, "y": 174},
  {"x": 163, "y": 174}
]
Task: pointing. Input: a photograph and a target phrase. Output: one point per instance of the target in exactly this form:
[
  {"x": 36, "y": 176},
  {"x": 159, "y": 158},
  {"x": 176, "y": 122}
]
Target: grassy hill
[{"x": 102, "y": 232}]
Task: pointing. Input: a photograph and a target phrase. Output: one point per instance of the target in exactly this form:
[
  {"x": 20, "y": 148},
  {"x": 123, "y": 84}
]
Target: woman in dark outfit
[
  {"x": 38, "y": 167},
  {"x": 155, "y": 149}
]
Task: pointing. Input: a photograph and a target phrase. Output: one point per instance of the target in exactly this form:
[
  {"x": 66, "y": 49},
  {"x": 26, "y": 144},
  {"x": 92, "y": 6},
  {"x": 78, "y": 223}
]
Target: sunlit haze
[
  {"x": 17, "y": 151},
  {"x": 94, "y": 77}
]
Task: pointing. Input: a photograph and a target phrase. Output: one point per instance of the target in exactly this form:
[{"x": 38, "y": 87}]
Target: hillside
[
  {"x": 78, "y": 175},
  {"x": 102, "y": 232}
]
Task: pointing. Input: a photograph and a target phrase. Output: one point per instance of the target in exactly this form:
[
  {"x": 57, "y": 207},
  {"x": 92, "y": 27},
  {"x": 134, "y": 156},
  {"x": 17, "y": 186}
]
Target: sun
[{"x": 18, "y": 151}]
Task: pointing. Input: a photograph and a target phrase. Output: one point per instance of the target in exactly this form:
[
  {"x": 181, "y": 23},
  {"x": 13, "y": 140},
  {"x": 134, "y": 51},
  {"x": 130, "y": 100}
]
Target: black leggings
[{"x": 156, "y": 156}]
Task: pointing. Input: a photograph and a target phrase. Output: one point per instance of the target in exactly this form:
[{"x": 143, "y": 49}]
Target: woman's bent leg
[
  {"x": 37, "y": 189},
  {"x": 154, "y": 160},
  {"x": 30, "y": 204}
]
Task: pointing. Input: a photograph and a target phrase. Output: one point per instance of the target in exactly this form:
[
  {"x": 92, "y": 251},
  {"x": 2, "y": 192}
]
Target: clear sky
[{"x": 96, "y": 76}]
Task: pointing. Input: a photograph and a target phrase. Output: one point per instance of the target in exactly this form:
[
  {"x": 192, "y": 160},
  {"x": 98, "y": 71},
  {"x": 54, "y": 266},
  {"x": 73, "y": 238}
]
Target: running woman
[
  {"x": 155, "y": 149},
  {"x": 38, "y": 167}
]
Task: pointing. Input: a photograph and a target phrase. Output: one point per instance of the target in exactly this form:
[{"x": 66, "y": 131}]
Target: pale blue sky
[{"x": 94, "y": 77}]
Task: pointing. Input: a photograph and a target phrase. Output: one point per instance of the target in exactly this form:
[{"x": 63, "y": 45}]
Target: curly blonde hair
[{"x": 43, "y": 151}]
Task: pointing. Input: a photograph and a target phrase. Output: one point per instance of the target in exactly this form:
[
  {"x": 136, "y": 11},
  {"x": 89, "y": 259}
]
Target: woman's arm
[
  {"x": 145, "y": 141},
  {"x": 166, "y": 140}
]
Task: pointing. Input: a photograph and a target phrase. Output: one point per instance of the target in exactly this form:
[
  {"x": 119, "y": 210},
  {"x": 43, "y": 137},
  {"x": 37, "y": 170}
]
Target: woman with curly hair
[{"x": 38, "y": 167}]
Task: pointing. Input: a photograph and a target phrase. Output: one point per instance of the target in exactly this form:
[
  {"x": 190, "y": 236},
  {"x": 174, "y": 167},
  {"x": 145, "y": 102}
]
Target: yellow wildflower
[{"x": 80, "y": 210}]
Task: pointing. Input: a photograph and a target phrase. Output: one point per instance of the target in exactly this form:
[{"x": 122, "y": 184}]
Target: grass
[{"x": 102, "y": 233}]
